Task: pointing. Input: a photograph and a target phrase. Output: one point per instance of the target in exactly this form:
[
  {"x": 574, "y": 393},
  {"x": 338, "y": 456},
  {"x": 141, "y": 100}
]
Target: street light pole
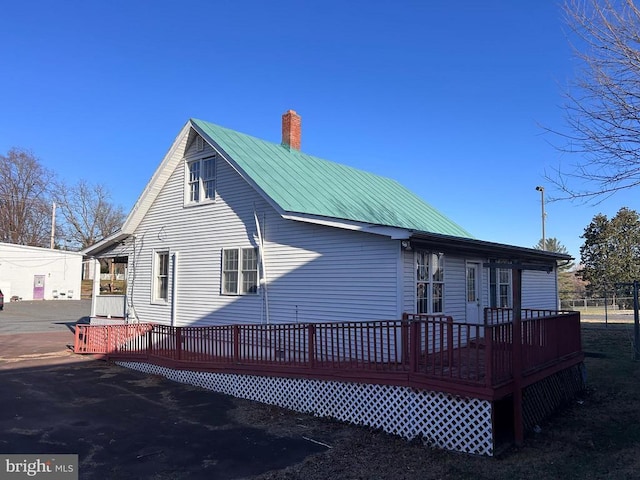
[{"x": 541, "y": 190}]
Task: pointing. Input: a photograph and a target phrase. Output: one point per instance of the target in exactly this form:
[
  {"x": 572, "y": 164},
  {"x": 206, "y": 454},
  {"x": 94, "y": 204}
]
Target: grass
[{"x": 598, "y": 435}]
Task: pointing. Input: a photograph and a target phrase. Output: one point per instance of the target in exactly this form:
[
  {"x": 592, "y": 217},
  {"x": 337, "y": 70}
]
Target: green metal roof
[{"x": 301, "y": 183}]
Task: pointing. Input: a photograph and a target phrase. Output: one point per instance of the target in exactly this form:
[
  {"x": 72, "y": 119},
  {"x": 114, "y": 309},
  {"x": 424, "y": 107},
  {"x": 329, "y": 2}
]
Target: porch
[{"x": 418, "y": 353}]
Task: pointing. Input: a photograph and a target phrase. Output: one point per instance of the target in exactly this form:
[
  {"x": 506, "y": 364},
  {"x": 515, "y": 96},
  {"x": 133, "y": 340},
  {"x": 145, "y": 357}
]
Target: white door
[
  {"x": 38, "y": 287},
  {"x": 473, "y": 292}
]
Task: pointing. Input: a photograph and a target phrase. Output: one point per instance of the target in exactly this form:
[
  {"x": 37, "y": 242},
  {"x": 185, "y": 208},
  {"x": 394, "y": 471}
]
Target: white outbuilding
[{"x": 34, "y": 273}]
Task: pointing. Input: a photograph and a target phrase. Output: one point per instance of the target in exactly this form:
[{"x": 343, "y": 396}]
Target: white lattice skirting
[{"x": 442, "y": 420}]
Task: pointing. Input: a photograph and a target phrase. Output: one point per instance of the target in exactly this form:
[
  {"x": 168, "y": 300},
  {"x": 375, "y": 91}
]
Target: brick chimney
[{"x": 291, "y": 132}]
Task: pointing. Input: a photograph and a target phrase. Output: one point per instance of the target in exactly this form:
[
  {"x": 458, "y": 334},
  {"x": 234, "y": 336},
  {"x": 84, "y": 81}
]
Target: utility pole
[
  {"x": 541, "y": 190},
  {"x": 53, "y": 224}
]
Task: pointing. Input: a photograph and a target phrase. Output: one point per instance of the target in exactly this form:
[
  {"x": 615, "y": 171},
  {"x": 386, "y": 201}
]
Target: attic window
[
  {"x": 199, "y": 144},
  {"x": 201, "y": 180}
]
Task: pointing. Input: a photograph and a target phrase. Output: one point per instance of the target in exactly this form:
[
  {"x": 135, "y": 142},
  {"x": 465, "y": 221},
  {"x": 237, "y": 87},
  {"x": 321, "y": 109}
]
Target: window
[
  {"x": 429, "y": 282},
  {"x": 161, "y": 277},
  {"x": 500, "y": 287},
  {"x": 201, "y": 184},
  {"x": 239, "y": 271},
  {"x": 472, "y": 291}
]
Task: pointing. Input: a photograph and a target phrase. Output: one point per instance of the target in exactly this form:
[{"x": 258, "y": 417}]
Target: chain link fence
[{"x": 597, "y": 303}]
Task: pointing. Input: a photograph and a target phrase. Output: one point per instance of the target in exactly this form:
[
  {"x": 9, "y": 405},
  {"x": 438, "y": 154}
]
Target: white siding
[
  {"x": 408, "y": 282},
  {"x": 314, "y": 273},
  {"x": 19, "y": 264},
  {"x": 539, "y": 290},
  {"x": 327, "y": 274},
  {"x": 455, "y": 288},
  {"x": 486, "y": 290}
]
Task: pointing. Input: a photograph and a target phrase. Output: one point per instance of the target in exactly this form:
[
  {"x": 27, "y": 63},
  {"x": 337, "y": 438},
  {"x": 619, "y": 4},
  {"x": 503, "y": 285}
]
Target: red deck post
[
  {"x": 414, "y": 345},
  {"x": 404, "y": 332},
  {"x": 178, "y": 338},
  {"x": 110, "y": 346},
  {"x": 76, "y": 343},
  {"x": 450, "y": 341},
  {"x": 236, "y": 343},
  {"x": 488, "y": 355},
  {"x": 311, "y": 344},
  {"x": 518, "y": 424}
]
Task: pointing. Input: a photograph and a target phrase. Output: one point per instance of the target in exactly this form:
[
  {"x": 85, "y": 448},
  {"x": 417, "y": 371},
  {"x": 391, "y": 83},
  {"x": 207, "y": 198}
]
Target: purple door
[{"x": 38, "y": 287}]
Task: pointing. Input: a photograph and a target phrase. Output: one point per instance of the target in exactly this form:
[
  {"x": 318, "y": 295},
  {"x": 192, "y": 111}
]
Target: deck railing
[
  {"x": 419, "y": 350},
  {"x": 548, "y": 337},
  {"x": 113, "y": 339}
]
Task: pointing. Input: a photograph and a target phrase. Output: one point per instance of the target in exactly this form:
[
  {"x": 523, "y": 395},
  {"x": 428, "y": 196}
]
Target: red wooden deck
[{"x": 419, "y": 351}]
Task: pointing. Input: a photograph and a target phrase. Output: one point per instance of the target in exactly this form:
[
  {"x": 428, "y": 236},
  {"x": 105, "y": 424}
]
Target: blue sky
[{"x": 448, "y": 98}]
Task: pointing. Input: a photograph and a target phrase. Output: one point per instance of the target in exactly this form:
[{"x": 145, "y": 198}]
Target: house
[
  {"x": 235, "y": 230},
  {"x": 233, "y": 227},
  {"x": 34, "y": 273}
]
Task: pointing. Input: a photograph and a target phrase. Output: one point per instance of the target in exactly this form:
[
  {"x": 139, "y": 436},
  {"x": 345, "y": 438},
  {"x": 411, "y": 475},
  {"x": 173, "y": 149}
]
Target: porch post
[
  {"x": 96, "y": 286},
  {"x": 518, "y": 424}
]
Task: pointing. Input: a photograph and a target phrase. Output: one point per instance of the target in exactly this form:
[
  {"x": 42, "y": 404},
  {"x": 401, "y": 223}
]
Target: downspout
[
  {"x": 131, "y": 277},
  {"x": 263, "y": 282}
]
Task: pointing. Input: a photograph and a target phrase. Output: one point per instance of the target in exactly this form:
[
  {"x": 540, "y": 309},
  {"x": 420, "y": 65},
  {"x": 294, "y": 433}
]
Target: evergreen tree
[
  {"x": 611, "y": 251},
  {"x": 554, "y": 245}
]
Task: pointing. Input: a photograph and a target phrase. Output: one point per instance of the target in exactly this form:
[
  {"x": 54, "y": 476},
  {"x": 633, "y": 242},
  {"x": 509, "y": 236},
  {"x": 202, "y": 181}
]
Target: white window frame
[
  {"x": 501, "y": 280},
  {"x": 201, "y": 180},
  {"x": 241, "y": 283},
  {"x": 430, "y": 280},
  {"x": 156, "y": 296}
]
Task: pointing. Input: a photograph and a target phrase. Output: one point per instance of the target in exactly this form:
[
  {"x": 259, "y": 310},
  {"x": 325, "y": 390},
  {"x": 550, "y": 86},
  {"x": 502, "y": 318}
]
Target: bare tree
[
  {"x": 603, "y": 102},
  {"x": 87, "y": 212},
  {"x": 25, "y": 205}
]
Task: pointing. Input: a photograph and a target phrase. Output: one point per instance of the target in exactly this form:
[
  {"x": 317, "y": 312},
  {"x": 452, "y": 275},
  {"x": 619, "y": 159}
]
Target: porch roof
[{"x": 480, "y": 248}]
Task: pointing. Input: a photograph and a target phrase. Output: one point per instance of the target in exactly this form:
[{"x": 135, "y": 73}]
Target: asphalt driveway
[
  {"x": 45, "y": 316},
  {"x": 122, "y": 423}
]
